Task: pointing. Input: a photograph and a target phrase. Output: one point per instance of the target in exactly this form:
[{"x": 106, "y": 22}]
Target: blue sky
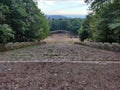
[{"x": 63, "y": 7}]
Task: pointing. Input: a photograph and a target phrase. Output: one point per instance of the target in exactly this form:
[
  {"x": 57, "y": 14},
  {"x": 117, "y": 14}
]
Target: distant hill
[
  {"x": 75, "y": 16},
  {"x": 55, "y": 17},
  {"x": 64, "y": 16}
]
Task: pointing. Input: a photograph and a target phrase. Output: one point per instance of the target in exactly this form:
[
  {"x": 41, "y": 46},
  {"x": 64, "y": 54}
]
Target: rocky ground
[{"x": 61, "y": 66}]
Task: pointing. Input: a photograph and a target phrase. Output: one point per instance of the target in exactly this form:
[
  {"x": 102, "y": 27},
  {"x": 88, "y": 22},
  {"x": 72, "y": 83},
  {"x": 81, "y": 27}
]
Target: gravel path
[{"x": 59, "y": 52}]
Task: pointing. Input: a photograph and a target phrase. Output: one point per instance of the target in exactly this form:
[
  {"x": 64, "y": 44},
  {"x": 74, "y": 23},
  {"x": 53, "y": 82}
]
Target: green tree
[
  {"x": 6, "y": 33},
  {"x": 4, "y": 10},
  {"x": 24, "y": 18},
  {"x": 71, "y": 25},
  {"x": 85, "y": 32},
  {"x": 105, "y": 20}
]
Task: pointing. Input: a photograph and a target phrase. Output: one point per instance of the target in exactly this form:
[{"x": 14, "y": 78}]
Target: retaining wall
[
  {"x": 17, "y": 45},
  {"x": 100, "y": 45}
]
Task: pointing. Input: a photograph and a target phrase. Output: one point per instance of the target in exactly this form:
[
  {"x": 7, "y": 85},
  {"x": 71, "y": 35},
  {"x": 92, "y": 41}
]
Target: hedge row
[
  {"x": 100, "y": 45},
  {"x": 17, "y": 45}
]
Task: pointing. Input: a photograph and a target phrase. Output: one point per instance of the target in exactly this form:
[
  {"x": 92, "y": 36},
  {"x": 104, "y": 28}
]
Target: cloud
[
  {"x": 63, "y": 7},
  {"x": 49, "y": 3},
  {"x": 70, "y": 11}
]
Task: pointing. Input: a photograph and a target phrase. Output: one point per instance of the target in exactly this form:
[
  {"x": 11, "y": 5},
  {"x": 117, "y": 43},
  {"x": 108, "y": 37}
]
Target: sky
[{"x": 63, "y": 7}]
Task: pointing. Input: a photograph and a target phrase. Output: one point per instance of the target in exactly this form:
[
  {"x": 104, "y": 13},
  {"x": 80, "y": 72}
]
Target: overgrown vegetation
[
  {"x": 103, "y": 22},
  {"x": 21, "y": 20}
]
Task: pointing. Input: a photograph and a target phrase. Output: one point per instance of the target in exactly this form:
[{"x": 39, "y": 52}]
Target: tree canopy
[
  {"x": 104, "y": 20},
  {"x": 65, "y": 24},
  {"x": 23, "y": 19}
]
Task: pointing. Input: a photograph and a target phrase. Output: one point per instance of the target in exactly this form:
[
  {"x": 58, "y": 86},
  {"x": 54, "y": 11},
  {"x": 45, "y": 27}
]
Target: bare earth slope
[
  {"x": 59, "y": 65},
  {"x": 59, "y": 76},
  {"x": 60, "y": 52}
]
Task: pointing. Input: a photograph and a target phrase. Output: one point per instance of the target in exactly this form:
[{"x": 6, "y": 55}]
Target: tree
[
  {"x": 6, "y": 33},
  {"x": 85, "y": 32},
  {"x": 4, "y": 10},
  {"x": 105, "y": 20},
  {"x": 25, "y": 19},
  {"x": 71, "y": 25}
]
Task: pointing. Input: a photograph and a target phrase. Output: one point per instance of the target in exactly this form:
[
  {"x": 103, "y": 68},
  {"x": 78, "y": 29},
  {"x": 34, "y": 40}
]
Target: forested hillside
[
  {"x": 72, "y": 24},
  {"x": 103, "y": 23},
  {"x": 21, "y": 20}
]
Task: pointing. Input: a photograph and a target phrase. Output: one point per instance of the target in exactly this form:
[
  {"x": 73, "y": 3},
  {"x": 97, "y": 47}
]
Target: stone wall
[
  {"x": 100, "y": 45},
  {"x": 17, "y": 45}
]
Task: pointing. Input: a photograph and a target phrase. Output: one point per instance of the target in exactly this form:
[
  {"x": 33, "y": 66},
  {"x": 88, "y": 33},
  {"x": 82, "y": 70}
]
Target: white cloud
[
  {"x": 73, "y": 1},
  {"x": 63, "y": 7},
  {"x": 50, "y": 3},
  {"x": 70, "y": 12}
]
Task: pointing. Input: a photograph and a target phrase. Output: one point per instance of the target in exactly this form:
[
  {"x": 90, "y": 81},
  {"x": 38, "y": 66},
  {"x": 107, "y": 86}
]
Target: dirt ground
[
  {"x": 59, "y": 76},
  {"x": 59, "y": 48},
  {"x": 59, "y": 52},
  {"x": 61, "y": 39},
  {"x": 59, "y": 65}
]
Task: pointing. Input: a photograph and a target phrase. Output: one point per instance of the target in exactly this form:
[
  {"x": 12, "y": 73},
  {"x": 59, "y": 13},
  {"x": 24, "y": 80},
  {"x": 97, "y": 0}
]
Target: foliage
[
  {"x": 65, "y": 24},
  {"x": 24, "y": 18},
  {"x": 104, "y": 21},
  {"x": 84, "y": 32},
  {"x": 6, "y": 33}
]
